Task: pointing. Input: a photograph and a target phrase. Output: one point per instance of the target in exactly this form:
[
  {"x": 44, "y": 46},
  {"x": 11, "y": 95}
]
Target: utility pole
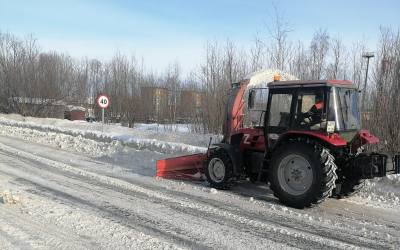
[{"x": 367, "y": 55}]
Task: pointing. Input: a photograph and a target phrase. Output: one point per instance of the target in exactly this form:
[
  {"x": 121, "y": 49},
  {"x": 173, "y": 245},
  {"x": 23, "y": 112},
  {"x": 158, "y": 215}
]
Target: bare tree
[
  {"x": 299, "y": 65},
  {"x": 338, "y": 51},
  {"x": 319, "y": 50},
  {"x": 279, "y": 49},
  {"x": 257, "y": 55},
  {"x": 172, "y": 82},
  {"x": 385, "y": 92}
]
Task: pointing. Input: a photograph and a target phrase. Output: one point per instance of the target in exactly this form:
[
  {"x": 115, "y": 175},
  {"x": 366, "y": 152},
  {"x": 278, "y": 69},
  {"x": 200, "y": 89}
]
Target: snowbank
[
  {"x": 380, "y": 192},
  {"x": 160, "y": 146},
  {"x": 7, "y": 197},
  {"x": 260, "y": 79}
]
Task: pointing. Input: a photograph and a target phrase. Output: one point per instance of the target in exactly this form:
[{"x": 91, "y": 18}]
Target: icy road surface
[{"x": 57, "y": 195}]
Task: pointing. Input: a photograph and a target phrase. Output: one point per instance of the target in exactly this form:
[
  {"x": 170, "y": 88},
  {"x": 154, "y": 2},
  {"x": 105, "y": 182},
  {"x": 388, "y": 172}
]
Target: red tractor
[{"x": 308, "y": 143}]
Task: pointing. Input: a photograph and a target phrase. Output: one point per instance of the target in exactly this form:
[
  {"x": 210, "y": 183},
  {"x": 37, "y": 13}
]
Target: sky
[{"x": 164, "y": 32}]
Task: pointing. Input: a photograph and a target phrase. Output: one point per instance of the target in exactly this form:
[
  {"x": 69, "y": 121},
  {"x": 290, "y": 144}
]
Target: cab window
[
  {"x": 280, "y": 110},
  {"x": 310, "y": 110}
]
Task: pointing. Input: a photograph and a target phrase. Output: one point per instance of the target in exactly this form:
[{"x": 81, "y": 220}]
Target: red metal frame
[
  {"x": 188, "y": 167},
  {"x": 334, "y": 139},
  {"x": 253, "y": 139},
  {"x": 234, "y": 117},
  {"x": 367, "y": 138}
]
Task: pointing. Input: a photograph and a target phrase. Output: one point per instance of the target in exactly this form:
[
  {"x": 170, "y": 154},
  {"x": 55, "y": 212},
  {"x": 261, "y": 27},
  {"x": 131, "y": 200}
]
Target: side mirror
[{"x": 252, "y": 96}]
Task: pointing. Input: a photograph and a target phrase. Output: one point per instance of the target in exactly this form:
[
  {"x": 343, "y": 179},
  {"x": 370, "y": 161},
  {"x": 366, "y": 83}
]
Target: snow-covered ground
[{"x": 79, "y": 185}]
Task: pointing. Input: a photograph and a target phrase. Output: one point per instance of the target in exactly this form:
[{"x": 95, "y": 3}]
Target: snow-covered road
[{"x": 55, "y": 198}]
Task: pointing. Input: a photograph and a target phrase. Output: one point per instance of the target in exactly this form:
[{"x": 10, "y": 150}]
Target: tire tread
[{"x": 328, "y": 171}]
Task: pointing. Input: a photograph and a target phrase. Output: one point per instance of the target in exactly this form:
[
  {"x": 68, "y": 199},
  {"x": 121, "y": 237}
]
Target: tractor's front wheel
[
  {"x": 302, "y": 174},
  {"x": 219, "y": 169}
]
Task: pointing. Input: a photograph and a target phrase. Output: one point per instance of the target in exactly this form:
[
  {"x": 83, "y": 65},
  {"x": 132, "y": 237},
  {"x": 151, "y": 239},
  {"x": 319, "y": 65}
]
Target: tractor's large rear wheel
[
  {"x": 302, "y": 174},
  {"x": 219, "y": 169}
]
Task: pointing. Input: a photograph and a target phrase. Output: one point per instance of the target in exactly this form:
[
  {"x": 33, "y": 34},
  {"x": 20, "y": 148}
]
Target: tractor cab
[{"x": 322, "y": 108}]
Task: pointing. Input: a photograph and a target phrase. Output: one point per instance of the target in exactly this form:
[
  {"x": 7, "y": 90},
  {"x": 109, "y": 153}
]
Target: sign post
[{"x": 103, "y": 101}]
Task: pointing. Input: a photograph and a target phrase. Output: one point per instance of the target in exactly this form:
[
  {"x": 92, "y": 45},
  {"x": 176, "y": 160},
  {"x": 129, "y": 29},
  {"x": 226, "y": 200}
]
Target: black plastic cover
[{"x": 371, "y": 165}]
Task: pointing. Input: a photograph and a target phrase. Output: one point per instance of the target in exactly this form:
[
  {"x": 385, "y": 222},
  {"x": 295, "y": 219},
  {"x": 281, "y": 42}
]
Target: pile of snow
[
  {"x": 380, "y": 192},
  {"x": 39, "y": 131},
  {"x": 176, "y": 133},
  {"x": 260, "y": 79},
  {"x": 64, "y": 140},
  {"x": 164, "y": 128},
  {"x": 75, "y": 108},
  {"x": 7, "y": 197}
]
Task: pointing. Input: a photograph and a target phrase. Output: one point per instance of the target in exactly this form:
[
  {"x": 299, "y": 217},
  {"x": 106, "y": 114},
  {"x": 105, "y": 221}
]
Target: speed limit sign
[{"x": 103, "y": 101}]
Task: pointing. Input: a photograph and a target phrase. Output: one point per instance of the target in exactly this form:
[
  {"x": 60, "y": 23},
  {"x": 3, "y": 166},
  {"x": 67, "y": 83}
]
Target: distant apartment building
[
  {"x": 191, "y": 103},
  {"x": 154, "y": 103}
]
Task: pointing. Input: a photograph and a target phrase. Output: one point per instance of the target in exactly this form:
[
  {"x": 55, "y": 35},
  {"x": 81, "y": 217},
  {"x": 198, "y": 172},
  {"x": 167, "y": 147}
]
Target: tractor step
[{"x": 263, "y": 170}]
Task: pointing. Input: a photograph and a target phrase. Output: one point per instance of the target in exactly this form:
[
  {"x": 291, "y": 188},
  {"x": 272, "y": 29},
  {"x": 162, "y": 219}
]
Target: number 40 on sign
[{"x": 103, "y": 101}]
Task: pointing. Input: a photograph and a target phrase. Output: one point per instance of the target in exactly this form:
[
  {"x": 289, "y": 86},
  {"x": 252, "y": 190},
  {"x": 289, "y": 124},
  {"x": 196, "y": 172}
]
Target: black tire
[
  {"x": 316, "y": 162},
  {"x": 348, "y": 187},
  {"x": 224, "y": 181}
]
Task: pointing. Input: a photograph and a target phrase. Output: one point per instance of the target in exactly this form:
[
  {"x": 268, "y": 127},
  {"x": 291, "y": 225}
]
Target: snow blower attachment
[
  {"x": 191, "y": 167},
  {"x": 307, "y": 142}
]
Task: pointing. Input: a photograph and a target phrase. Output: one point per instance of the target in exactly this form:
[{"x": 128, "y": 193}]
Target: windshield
[{"x": 347, "y": 114}]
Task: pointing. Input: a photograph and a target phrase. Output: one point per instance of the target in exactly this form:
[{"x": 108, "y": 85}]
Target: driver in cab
[{"x": 313, "y": 117}]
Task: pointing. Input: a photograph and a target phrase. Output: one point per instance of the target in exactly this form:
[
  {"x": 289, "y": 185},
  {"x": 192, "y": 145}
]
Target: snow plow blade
[{"x": 187, "y": 167}]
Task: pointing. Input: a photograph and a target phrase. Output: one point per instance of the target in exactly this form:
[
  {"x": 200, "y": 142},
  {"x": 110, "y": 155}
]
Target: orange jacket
[{"x": 319, "y": 105}]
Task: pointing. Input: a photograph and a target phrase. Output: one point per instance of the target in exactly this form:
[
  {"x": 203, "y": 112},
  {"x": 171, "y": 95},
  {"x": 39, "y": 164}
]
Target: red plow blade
[{"x": 187, "y": 167}]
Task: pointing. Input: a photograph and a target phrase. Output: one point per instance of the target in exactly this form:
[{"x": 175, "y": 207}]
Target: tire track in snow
[
  {"x": 56, "y": 194},
  {"x": 9, "y": 241},
  {"x": 34, "y": 233},
  {"x": 352, "y": 232},
  {"x": 64, "y": 194}
]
